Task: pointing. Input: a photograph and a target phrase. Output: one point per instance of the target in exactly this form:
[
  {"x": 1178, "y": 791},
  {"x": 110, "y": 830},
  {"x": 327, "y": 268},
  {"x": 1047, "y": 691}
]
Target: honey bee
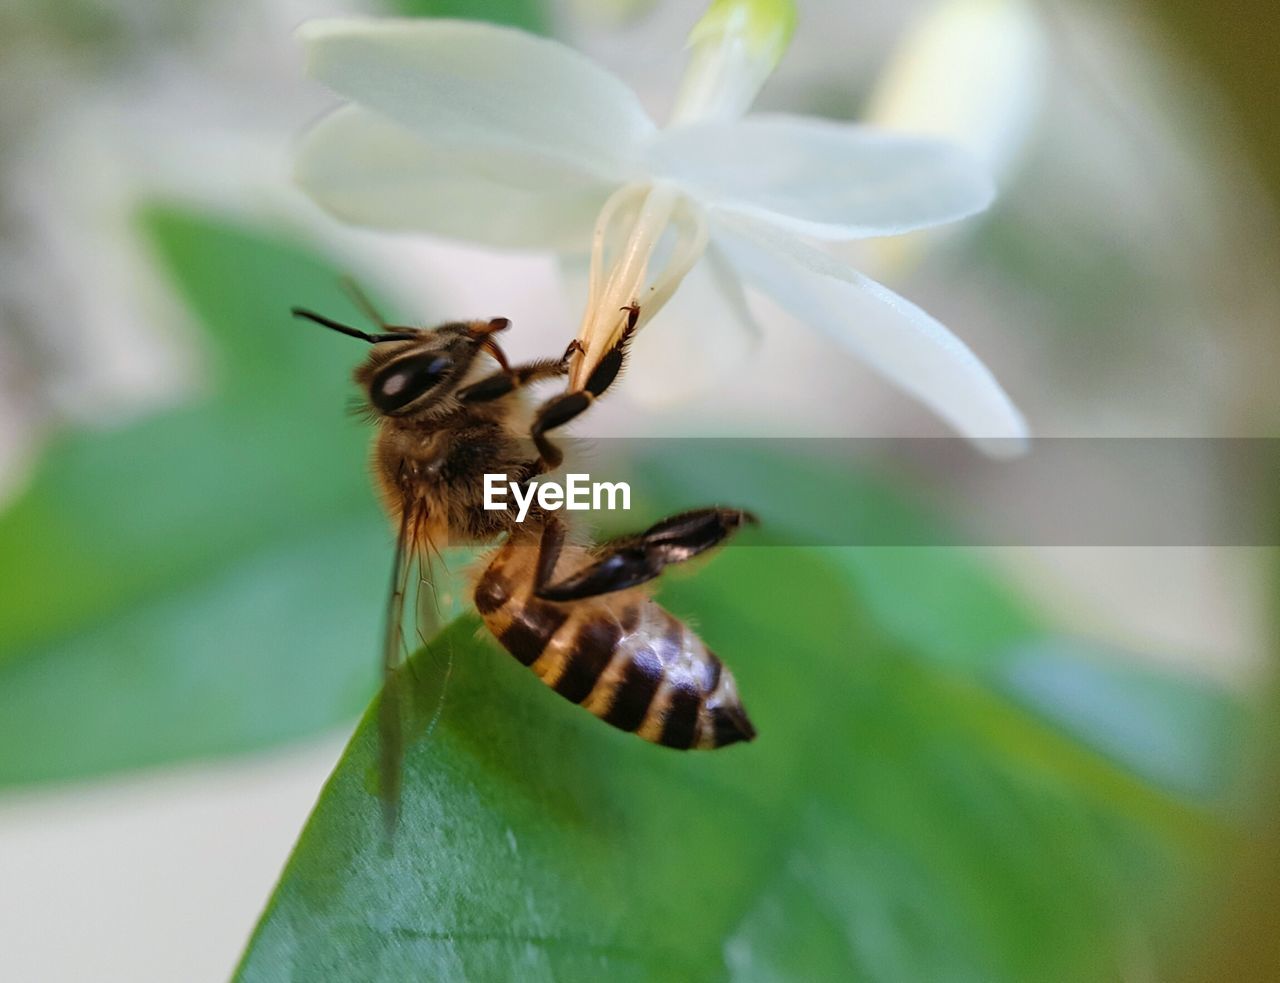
[{"x": 445, "y": 402}]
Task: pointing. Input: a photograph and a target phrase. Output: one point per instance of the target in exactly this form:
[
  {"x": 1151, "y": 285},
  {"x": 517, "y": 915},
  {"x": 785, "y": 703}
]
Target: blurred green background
[{"x": 975, "y": 765}]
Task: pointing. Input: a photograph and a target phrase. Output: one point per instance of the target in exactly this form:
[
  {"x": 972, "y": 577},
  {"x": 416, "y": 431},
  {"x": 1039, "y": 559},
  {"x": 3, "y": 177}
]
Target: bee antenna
[{"x": 346, "y": 329}]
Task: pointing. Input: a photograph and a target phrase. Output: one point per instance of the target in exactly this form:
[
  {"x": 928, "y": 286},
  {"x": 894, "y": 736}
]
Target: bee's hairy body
[
  {"x": 581, "y": 619},
  {"x": 444, "y": 467},
  {"x": 619, "y": 655}
]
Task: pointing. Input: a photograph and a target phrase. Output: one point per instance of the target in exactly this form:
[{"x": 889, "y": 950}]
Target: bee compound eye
[{"x": 406, "y": 379}]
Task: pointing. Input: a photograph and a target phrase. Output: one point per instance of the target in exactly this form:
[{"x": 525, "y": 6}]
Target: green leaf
[
  {"x": 531, "y": 15},
  {"x": 277, "y": 645},
  {"x": 1176, "y": 731},
  {"x": 879, "y": 827},
  {"x": 208, "y": 579}
]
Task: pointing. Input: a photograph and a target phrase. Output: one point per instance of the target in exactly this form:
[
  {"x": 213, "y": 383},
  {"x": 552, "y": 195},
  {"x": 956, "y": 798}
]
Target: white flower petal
[
  {"x": 702, "y": 335},
  {"x": 897, "y": 338},
  {"x": 824, "y": 179},
  {"x": 368, "y": 170},
  {"x": 536, "y": 108}
]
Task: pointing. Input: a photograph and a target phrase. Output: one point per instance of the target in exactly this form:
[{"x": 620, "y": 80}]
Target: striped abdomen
[{"x": 621, "y": 656}]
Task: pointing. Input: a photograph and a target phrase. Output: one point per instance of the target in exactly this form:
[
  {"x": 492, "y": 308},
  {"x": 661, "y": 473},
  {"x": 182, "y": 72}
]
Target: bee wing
[
  {"x": 429, "y": 617},
  {"x": 391, "y": 702},
  {"x": 411, "y": 569}
]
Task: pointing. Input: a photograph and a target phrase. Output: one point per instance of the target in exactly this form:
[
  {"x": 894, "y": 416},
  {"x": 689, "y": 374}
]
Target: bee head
[{"x": 412, "y": 371}]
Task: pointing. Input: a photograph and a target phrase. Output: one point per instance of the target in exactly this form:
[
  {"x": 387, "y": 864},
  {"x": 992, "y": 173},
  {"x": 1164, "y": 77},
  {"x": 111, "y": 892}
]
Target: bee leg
[
  {"x": 549, "y": 548},
  {"x": 559, "y": 410},
  {"x": 575, "y": 348},
  {"x": 636, "y": 559},
  {"x": 500, "y": 384}
]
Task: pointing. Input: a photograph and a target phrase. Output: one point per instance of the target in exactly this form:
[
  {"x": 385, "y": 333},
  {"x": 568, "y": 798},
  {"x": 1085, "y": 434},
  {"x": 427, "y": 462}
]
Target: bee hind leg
[{"x": 635, "y": 560}]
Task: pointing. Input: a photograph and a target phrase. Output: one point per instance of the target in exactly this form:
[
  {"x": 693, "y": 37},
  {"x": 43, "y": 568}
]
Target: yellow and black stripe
[{"x": 620, "y": 656}]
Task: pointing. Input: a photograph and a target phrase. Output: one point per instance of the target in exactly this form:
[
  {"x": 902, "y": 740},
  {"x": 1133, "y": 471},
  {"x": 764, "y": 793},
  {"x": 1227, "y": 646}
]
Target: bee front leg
[
  {"x": 505, "y": 382},
  {"x": 559, "y": 410}
]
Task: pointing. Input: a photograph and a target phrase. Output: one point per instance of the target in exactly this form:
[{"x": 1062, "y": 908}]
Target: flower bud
[{"x": 734, "y": 48}]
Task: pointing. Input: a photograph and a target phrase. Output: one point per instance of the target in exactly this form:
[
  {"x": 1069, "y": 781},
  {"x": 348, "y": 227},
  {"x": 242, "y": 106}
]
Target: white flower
[{"x": 495, "y": 136}]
